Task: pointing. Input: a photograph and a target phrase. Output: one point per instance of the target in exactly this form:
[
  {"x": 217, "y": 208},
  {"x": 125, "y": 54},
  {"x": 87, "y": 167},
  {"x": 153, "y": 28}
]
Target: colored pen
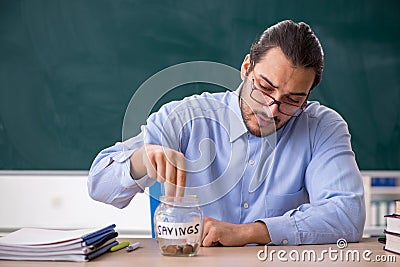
[
  {"x": 133, "y": 247},
  {"x": 119, "y": 246}
]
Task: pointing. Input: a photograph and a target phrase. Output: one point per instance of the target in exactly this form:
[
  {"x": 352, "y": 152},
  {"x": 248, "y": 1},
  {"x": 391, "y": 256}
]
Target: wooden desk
[{"x": 149, "y": 255}]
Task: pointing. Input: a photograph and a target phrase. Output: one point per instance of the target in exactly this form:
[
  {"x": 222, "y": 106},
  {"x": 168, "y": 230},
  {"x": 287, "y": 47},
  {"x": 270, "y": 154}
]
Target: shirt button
[
  {"x": 245, "y": 205},
  {"x": 251, "y": 162},
  {"x": 285, "y": 241}
]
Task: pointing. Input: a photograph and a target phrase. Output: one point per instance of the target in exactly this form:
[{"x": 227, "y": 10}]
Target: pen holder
[{"x": 178, "y": 224}]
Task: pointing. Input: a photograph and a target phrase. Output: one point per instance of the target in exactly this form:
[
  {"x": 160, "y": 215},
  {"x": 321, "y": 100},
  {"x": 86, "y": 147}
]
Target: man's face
[{"x": 276, "y": 76}]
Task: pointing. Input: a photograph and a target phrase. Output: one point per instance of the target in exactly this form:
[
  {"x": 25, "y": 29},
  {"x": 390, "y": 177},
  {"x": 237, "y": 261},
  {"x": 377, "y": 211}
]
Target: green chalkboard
[{"x": 68, "y": 68}]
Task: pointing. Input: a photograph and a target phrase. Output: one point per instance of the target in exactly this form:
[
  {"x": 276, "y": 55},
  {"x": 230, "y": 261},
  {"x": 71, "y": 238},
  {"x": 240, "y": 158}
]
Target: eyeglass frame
[{"x": 274, "y": 101}]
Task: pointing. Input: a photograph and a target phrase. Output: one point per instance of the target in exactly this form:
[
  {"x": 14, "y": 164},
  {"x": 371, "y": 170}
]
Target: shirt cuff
[
  {"x": 126, "y": 179},
  {"x": 282, "y": 230},
  {"x": 122, "y": 156}
]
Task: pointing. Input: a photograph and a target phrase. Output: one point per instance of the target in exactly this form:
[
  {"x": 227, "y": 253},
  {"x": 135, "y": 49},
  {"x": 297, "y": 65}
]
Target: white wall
[{"x": 60, "y": 200}]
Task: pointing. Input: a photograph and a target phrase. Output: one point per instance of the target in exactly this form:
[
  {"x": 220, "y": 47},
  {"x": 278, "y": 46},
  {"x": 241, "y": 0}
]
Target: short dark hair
[{"x": 297, "y": 41}]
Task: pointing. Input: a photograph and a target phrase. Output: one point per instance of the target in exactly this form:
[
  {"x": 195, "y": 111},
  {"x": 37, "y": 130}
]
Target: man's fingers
[
  {"x": 207, "y": 241},
  {"x": 204, "y": 238},
  {"x": 180, "y": 175},
  {"x": 166, "y": 165},
  {"x": 149, "y": 161},
  {"x": 209, "y": 219},
  {"x": 170, "y": 183},
  {"x": 210, "y": 236},
  {"x": 170, "y": 173},
  {"x": 151, "y": 168},
  {"x": 161, "y": 167},
  {"x": 180, "y": 182},
  {"x": 169, "y": 189}
]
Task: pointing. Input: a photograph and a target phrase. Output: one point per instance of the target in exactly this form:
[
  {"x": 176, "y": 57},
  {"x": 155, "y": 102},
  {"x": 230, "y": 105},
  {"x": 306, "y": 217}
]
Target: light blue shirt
[{"x": 303, "y": 182}]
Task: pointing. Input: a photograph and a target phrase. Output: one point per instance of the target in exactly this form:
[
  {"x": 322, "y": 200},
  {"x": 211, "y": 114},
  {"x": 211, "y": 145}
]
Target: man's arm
[
  {"x": 334, "y": 185},
  {"x": 121, "y": 171},
  {"x": 336, "y": 209},
  {"x": 109, "y": 179}
]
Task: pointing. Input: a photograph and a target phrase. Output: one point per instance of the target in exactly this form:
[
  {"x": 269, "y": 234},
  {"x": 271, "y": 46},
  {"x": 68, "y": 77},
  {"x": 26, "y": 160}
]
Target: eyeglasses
[{"x": 268, "y": 100}]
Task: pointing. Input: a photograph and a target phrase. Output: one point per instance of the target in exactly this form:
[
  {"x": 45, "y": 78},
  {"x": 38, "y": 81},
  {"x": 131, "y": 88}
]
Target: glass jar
[{"x": 178, "y": 225}]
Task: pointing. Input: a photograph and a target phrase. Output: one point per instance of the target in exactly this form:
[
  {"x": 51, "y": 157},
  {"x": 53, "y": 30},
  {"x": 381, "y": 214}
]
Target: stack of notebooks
[
  {"x": 392, "y": 230},
  {"x": 57, "y": 245}
]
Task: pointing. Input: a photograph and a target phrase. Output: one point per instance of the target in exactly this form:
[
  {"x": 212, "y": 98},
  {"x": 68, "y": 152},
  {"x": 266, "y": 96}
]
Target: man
[{"x": 269, "y": 165}]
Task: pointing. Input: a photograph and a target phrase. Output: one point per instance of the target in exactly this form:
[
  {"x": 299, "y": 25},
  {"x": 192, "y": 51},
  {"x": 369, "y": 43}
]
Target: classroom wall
[{"x": 69, "y": 68}]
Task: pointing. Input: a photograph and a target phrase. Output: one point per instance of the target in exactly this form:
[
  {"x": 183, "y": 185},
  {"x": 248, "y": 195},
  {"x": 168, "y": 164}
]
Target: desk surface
[{"x": 149, "y": 255}]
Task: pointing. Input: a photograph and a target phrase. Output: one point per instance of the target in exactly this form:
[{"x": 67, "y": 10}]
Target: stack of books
[
  {"x": 392, "y": 230},
  {"x": 57, "y": 245}
]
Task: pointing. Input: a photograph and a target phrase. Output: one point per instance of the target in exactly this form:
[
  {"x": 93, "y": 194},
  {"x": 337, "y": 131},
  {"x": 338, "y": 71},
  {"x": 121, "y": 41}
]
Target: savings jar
[{"x": 178, "y": 225}]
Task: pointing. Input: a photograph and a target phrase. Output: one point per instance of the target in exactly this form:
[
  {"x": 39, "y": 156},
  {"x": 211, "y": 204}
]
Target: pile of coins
[{"x": 176, "y": 250}]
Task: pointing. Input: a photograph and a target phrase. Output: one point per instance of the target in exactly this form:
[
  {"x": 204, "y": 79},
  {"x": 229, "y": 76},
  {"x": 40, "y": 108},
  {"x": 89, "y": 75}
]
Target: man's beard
[{"x": 255, "y": 128}]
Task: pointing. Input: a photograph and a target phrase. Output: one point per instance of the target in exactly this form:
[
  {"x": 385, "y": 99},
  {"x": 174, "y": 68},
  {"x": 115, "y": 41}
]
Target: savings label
[{"x": 169, "y": 230}]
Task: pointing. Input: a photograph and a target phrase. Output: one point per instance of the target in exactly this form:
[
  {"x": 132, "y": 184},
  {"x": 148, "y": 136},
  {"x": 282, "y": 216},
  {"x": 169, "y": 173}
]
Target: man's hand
[
  {"x": 164, "y": 164},
  {"x": 227, "y": 234}
]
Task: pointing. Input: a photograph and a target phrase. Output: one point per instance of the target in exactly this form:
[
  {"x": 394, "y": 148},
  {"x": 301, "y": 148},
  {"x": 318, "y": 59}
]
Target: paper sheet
[{"x": 34, "y": 236}]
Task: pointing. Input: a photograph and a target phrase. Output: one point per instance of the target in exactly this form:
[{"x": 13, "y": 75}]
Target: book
[
  {"x": 393, "y": 223},
  {"x": 57, "y": 245},
  {"x": 392, "y": 242},
  {"x": 392, "y": 231}
]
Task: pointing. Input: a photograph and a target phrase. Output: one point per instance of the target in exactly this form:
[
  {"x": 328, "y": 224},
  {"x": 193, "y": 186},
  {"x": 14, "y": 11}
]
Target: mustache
[
  {"x": 265, "y": 116},
  {"x": 260, "y": 113}
]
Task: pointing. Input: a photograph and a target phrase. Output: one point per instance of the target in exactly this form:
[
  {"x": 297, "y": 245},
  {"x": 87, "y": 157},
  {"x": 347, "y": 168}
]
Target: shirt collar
[{"x": 236, "y": 124}]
